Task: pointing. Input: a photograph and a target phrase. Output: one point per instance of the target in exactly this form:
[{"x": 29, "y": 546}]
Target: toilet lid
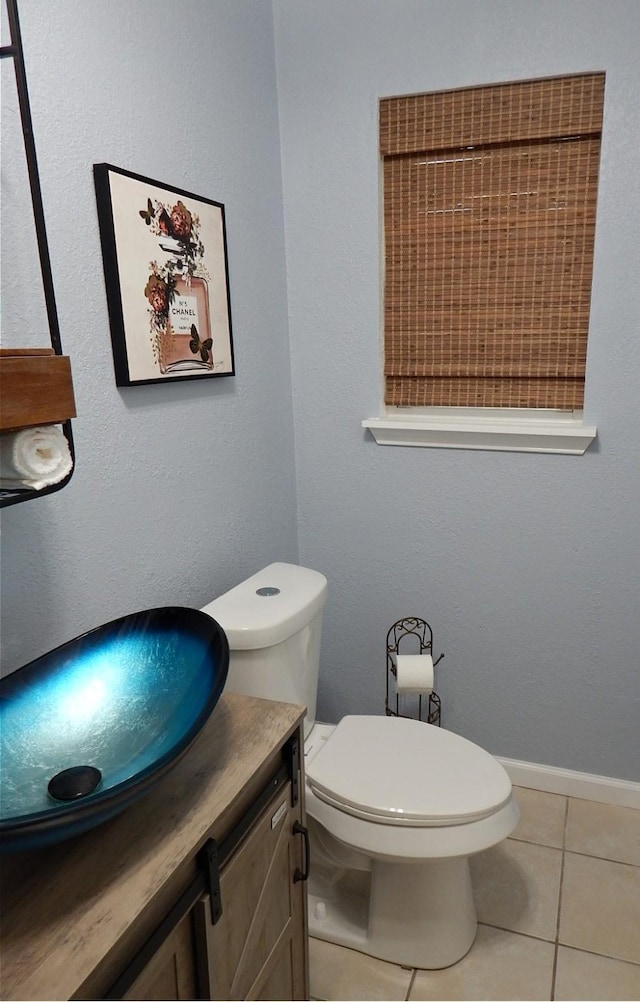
[{"x": 406, "y": 772}]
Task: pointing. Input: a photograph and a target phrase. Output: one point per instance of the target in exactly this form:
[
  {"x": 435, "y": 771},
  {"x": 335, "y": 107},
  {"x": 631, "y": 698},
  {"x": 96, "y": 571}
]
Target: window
[{"x": 489, "y": 198}]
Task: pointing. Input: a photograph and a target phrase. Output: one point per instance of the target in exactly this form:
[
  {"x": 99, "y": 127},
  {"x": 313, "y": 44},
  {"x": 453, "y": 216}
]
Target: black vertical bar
[
  {"x": 209, "y": 857},
  {"x": 293, "y": 755},
  {"x": 34, "y": 180}
]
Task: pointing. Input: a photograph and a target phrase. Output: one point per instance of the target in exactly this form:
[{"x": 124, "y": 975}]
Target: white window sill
[{"x": 483, "y": 428}]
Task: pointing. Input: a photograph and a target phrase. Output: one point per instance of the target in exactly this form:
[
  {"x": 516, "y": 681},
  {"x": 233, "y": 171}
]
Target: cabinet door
[
  {"x": 257, "y": 948},
  {"x": 171, "y": 972}
]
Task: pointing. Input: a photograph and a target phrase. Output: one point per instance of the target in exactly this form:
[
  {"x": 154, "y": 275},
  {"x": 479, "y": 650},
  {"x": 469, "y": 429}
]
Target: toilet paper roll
[{"x": 414, "y": 673}]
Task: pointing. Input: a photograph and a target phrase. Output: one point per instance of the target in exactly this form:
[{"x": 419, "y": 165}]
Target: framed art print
[{"x": 165, "y": 265}]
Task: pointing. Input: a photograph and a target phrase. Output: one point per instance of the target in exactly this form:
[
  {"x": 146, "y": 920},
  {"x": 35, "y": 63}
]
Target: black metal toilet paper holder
[{"x": 429, "y": 707}]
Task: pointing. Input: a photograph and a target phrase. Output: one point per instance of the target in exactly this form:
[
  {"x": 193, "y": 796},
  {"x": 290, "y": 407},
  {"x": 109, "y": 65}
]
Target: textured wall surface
[
  {"x": 182, "y": 490},
  {"x": 527, "y": 566}
]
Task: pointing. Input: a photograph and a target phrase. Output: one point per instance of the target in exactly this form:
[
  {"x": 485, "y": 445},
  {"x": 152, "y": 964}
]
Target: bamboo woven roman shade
[{"x": 489, "y": 218}]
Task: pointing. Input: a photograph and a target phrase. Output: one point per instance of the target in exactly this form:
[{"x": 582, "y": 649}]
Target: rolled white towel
[{"x": 34, "y": 457}]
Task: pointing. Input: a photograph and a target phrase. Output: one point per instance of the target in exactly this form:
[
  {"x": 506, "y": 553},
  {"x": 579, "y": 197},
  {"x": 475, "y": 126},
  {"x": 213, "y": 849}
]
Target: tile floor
[{"x": 559, "y": 911}]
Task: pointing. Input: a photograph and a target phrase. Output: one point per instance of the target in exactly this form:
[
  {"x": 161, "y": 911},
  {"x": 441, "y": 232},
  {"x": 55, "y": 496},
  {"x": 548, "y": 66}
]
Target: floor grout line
[
  {"x": 605, "y": 859},
  {"x": 411, "y": 983},
  {"x": 516, "y": 932},
  {"x": 573, "y": 852},
  {"x": 605, "y": 956},
  {"x": 554, "y": 970}
]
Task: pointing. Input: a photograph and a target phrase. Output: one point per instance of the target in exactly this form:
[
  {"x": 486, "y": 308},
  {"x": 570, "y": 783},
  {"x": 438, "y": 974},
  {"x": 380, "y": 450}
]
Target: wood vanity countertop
[{"x": 74, "y": 913}]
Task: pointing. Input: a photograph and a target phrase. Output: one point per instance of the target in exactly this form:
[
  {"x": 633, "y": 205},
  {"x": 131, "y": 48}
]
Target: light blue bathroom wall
[
  {"x": 527, "y": 566},
  {"x": 180, "y": 490}
]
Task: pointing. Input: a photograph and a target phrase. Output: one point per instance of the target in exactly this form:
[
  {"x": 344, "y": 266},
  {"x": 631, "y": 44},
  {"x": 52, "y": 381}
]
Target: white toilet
[{"x": 395, "y": 806}]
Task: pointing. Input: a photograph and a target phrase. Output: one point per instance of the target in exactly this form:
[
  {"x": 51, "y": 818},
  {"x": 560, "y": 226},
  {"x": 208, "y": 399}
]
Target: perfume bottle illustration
[
  {"x": 186, "y": 343},
  {"x": 177, "y": 292}
]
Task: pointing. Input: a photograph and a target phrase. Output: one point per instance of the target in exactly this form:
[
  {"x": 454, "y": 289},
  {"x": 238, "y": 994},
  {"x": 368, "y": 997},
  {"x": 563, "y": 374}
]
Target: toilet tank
[{"x": 273, "y": 622}]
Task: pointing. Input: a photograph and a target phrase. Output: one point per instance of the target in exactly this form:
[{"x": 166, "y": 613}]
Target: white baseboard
[{"x": 549, "y": 779}]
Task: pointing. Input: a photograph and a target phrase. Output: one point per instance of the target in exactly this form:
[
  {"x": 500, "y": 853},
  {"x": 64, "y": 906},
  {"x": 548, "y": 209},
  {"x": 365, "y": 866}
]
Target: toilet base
[{"x": 413, "y": 914}]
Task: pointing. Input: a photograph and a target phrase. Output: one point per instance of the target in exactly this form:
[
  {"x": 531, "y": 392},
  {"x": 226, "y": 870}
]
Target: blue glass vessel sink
[{"x": 90, "y": 726}]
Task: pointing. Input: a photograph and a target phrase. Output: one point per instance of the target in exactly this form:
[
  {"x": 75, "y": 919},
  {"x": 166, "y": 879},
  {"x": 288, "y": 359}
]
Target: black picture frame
[{"x": 164, "y": 252}]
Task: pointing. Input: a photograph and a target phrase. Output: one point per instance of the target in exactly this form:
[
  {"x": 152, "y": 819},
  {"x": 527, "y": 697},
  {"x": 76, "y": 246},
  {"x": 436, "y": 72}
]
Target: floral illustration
[{"x": 174, "y": 287}]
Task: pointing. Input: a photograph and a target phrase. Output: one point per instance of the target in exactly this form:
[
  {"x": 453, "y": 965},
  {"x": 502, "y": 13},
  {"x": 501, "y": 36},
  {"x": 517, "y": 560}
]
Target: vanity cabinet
[
  {"x": 247, "y": 938},
  {"x": 256, "y": 950},
  {"x": 196, "y": 891},
  {"x": 172, "y": 971}
]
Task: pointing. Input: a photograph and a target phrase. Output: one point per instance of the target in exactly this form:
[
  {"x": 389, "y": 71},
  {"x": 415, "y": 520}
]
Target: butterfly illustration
[
  {"x": 149, "y": 213},
  {"x": 196, "y": 345}
]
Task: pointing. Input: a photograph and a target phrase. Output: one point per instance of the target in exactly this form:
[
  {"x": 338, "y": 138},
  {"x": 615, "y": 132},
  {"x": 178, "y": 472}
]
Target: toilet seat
[{"x": 402, "y": 772}]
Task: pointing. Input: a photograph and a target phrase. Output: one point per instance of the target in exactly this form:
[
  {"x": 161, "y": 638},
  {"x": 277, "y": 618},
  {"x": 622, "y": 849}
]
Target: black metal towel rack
[{"x": 14, "y": 51}]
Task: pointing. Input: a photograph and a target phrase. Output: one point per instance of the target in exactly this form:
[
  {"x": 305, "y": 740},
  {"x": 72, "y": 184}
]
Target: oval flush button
[{"x": 267, "y": 591}]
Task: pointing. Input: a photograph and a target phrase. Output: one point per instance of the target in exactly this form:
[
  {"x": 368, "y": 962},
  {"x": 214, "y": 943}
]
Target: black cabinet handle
[{"x": 299, "y": 829}]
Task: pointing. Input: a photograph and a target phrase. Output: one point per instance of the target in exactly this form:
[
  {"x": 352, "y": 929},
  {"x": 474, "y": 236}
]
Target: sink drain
[{"x": 71, "y": 784}]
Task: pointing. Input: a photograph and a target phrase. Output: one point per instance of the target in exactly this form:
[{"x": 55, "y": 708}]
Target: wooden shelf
[{"x": 35, "y": 388}]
